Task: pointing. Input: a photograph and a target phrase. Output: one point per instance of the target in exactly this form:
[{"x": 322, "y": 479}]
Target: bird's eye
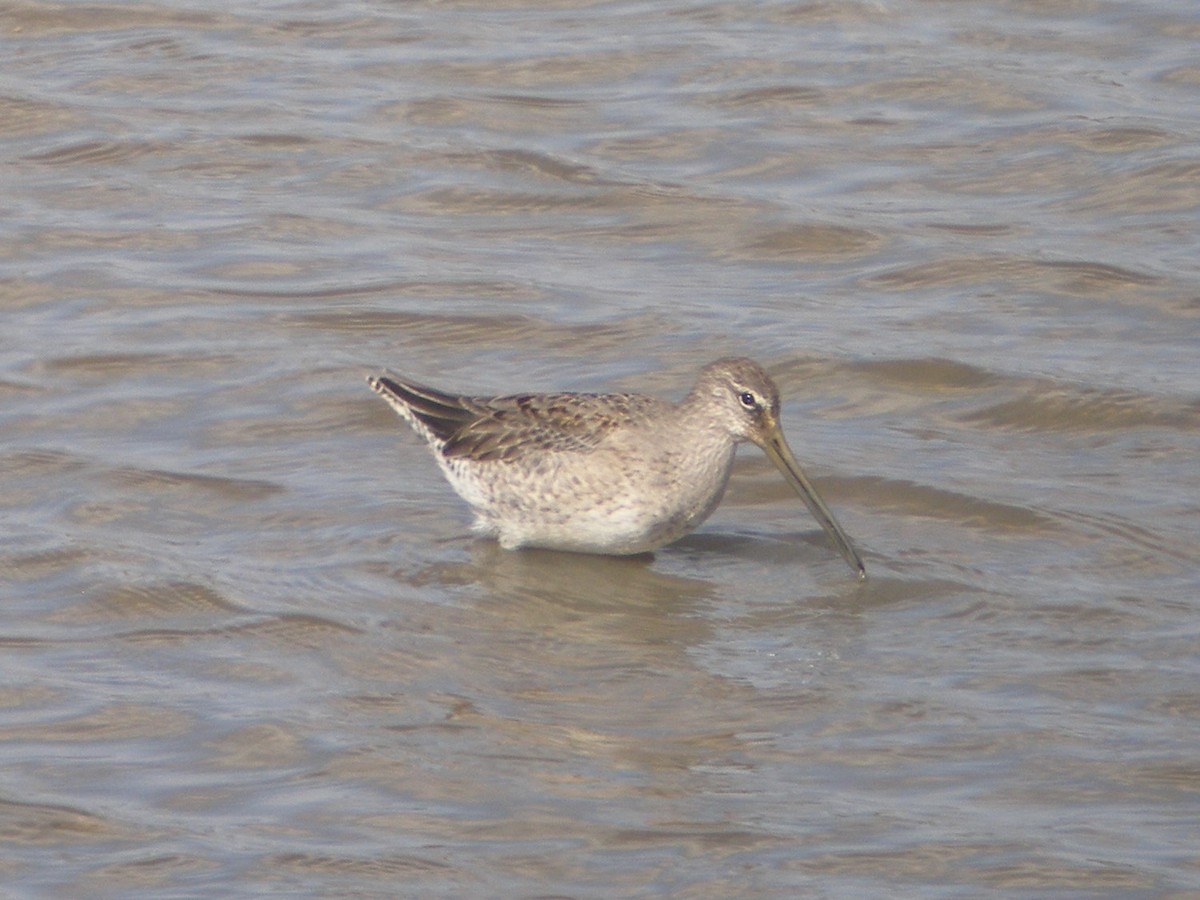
[{"x": 748, "y": 400}]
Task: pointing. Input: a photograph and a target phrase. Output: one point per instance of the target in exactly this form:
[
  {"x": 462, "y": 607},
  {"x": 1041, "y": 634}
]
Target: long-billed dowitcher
[{"x": 603, "y": 473}]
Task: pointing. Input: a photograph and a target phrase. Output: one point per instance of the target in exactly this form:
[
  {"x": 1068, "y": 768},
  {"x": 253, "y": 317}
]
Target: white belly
[{"x": 591, "y": 503}]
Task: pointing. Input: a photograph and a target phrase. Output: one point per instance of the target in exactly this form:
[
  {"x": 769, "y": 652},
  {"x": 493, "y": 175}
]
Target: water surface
[{"x": 249, "y": 645}]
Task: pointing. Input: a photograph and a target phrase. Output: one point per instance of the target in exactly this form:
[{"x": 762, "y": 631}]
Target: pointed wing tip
[{"x": 380, "y": 383}]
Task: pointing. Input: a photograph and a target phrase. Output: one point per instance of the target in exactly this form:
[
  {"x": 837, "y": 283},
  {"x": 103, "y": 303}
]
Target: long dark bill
[{"x": 780, "y": 453}]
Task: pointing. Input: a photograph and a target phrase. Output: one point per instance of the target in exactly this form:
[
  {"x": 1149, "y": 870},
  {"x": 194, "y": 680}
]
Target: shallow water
[{"x": 250, "y": 647}]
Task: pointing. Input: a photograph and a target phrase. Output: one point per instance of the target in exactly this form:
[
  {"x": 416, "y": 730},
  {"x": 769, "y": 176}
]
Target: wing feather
[{"x": 506, "y": 428}]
